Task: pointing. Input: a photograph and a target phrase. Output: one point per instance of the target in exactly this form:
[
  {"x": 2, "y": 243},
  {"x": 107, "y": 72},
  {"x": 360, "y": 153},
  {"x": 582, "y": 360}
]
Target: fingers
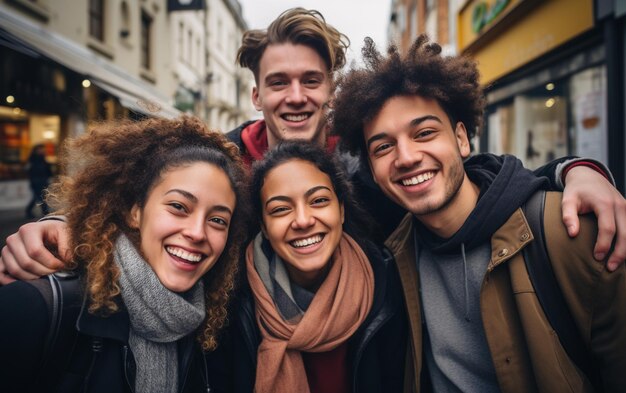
[
  {"x": 5, "y": 277},
  {"x": 606, "y": 232},
  {"x": 38, "y": 239},
  {"x": 20, "y": 262},
  {"x": 26, "y": 257},
  {"x": 569, "y": 209},
  {"x": 618, "y": 255}
]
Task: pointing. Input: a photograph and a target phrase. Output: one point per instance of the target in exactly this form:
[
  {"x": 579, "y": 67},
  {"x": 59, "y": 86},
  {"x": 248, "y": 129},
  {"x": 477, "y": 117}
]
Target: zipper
[
  {"x": 126, "y": 360},
  {"x": 206, "y": 374}
]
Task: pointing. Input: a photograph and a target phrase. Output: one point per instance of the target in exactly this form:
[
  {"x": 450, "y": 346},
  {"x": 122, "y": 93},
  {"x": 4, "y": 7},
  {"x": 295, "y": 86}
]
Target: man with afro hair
[{"x": 475, "y": 321}]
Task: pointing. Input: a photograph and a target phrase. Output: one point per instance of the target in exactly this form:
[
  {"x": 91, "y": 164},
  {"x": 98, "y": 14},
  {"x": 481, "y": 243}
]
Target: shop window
[
  {"x": 18, "y": 134},
  {"x": 96, "y": 19},
  {"x": 588, "y": 113},
  {"x": 559, "y": 118}
]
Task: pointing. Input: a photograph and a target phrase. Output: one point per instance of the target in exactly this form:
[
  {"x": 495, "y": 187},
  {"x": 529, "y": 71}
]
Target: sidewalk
[{"x": 10, "y": 221}]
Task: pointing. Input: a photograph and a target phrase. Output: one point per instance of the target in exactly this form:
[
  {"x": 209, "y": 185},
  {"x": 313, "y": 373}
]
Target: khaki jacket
[{"x": 526, "y": 352}]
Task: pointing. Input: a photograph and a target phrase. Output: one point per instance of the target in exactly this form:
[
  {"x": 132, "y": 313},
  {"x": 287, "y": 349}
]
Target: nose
[
  {"x": 303, "y": 218},
  {"x": 195, "y": 229},
  {"x": 406, "y": 155},
  {"x": 296, "y": 94}
]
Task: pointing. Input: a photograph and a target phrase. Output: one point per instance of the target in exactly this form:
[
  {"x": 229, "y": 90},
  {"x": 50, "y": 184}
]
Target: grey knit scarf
[{"x": 158, "y": 318}]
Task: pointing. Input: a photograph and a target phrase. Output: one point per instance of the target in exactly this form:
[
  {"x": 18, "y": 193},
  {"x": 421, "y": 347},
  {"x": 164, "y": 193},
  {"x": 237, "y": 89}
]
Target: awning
[{"x": 133, "y": 93}]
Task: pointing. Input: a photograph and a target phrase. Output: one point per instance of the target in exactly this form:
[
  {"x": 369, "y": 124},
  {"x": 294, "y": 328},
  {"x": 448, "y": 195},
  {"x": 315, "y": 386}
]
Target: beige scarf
[{"x": 339, "y": 307}]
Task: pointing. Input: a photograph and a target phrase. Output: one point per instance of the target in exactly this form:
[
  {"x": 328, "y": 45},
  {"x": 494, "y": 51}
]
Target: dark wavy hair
[
  {"x": 296, "y": 26},
  {"x": 356, "y": 221},
  {"x": 114, "y": 166},
  {"x": 452, "y": 81}
]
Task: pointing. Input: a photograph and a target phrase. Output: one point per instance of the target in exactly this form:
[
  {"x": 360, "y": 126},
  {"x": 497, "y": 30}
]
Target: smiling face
[
  {"x": 293, "y": 89},
  {"x": 302, "y": 219},
  {"x": 184, "y": 223},
  {"x": 416, "y": 158}
]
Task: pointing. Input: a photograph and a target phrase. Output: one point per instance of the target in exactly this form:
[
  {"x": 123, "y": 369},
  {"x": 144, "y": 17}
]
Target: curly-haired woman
[{"x": 155, "y": 234}]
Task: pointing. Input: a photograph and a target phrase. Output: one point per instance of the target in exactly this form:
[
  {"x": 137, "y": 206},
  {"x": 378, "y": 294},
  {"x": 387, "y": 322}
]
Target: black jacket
[
  {"x": 98, "y": 355},
  {"x": 376, "y": 351}
]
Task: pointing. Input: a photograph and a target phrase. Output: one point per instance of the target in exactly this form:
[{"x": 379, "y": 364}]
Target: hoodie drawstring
[{"x": 466, "y": 284}]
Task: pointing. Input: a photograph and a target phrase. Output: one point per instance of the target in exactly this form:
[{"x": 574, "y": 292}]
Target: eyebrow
[
  {"x": 284, "y": 74},
  {"x": 184, "y": 193},
  {"x": 193, "y": 199},
  {"x": 306, "y": 194},
  {"x": 415, "y": 122}
]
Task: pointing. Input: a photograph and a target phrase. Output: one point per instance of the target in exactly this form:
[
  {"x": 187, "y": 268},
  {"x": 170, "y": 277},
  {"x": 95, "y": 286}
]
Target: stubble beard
[{"x": 451, "y": 192}]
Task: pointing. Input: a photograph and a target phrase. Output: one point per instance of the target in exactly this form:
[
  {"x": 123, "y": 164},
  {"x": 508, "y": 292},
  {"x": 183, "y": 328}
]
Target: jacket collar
[
  {"x": 509, "y": 239},
  {"x": 506, "y": 242}
]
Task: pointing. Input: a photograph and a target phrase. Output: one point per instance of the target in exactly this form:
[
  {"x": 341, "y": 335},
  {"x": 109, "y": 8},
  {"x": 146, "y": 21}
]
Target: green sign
[{"x": 482, "y": 15}]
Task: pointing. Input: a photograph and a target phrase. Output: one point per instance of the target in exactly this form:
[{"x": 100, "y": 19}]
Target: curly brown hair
[
  {"x": 452, "y": 81},
  {"x": 113, "y": 167},
  {"x": 296, "y": 26}
]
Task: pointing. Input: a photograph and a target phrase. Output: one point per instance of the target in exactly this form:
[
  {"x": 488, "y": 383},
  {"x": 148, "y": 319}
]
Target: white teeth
[
  {"x": 307, "y": 242},
  {"x": 418, "y": 179},
  {"x": 295, "y": 117},
  {"x": 188, "y": 256}
]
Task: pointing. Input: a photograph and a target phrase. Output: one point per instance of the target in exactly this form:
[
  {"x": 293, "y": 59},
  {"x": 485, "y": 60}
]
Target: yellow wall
[{"x": 544, "y": 27}]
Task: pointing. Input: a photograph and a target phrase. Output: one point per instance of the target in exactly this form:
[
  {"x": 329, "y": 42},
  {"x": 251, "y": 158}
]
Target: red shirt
[{"x": 328, "y": 372}]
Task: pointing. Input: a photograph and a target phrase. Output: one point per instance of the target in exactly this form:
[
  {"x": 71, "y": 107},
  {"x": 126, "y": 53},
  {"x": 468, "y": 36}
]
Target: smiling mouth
[
  {"x": 309, "y": 241},
  {"x": 190, "y": 257},
  {"x": 411, "y": 181},
  {"x": 296, "y": 117}
]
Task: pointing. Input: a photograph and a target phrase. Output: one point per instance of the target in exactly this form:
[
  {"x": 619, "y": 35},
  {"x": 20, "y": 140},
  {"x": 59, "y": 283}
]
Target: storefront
[
  {"x": 40, "y": 104},
  {"x": 51, "y": 88},
  {"x": 544, "y": 68}
]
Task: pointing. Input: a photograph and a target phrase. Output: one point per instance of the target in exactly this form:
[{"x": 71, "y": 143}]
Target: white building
[{"x": 229, "y": 86}]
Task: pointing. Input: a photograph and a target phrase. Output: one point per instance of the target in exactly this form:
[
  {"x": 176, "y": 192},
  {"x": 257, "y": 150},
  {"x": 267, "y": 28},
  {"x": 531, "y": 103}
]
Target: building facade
[
  {"x": 229, "y": 87},
  {"x": 553, "y": 71},
  {"x": 554, "y": 77},
  {"x": 67, "y": 63},
  {"x": 409, "y": 18}
]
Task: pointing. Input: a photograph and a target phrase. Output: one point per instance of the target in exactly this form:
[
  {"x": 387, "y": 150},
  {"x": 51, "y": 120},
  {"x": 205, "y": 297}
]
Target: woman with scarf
[
  {"x": 155, "y": 234},
  {"x": 322, "y": 312}
]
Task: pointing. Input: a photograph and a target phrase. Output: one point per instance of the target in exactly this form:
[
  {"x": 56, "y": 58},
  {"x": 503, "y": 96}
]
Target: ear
[
  {"x": 256, "y": 100},
  {"x": 462, "y": 140},
  {"x": 134, "y": 217}
]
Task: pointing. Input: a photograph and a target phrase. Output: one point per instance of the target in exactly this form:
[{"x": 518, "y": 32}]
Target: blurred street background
[{"x": 553, "y": 71}]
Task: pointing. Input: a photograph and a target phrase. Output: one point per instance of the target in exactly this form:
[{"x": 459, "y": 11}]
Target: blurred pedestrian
[{"x": 39, "y": 173}]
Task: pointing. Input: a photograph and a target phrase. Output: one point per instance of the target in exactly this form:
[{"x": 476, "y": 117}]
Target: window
[
  {"x": 198, "y": 59},
  {"x": 413, "y": 16},
  {"x": 96, "y": 19},
  {"x": 125, "y": 22},
  {"x": 189, "y": 47},
  {"x": 181, "y": 41},
  {"x": 146, "y": 27},
  {"x": 430, "y": 5}
]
